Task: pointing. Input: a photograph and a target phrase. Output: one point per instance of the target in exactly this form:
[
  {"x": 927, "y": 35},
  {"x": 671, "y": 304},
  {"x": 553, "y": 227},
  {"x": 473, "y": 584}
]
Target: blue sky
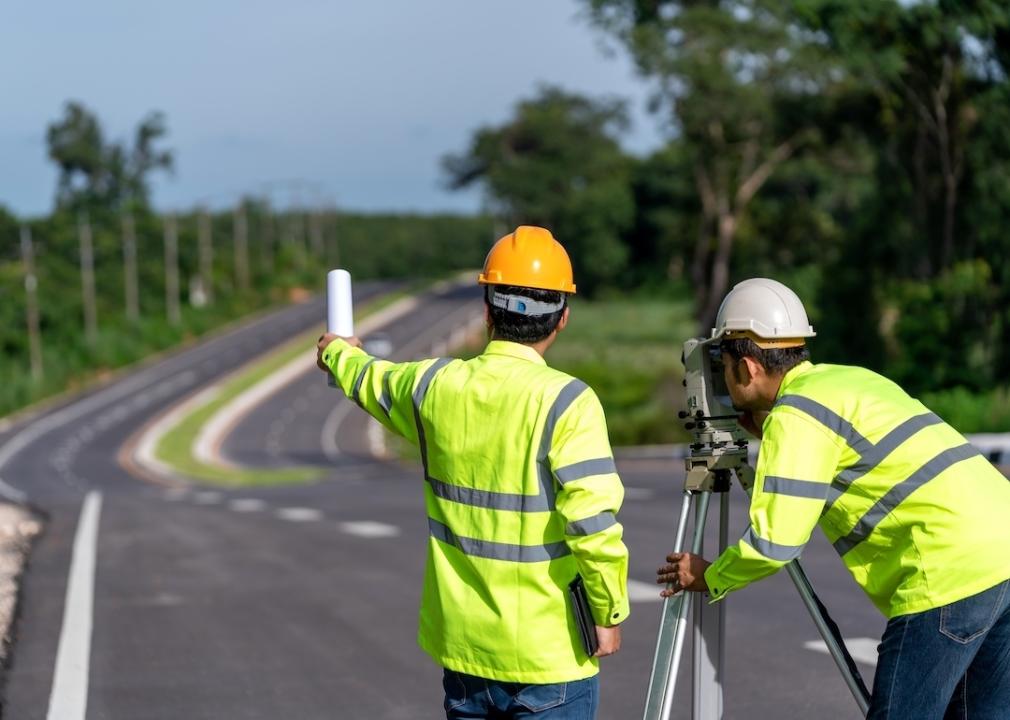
[{"x": 307, "y": 100}]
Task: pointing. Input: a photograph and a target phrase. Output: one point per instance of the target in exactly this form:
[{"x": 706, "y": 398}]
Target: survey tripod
[{"x": 718, "y": 453}]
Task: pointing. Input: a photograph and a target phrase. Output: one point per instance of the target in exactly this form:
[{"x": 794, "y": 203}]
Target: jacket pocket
[{"x": 968, "y": 619}]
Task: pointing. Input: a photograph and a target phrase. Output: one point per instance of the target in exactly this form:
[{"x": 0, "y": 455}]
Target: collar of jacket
[
  {"x": 515, "y": 350},
  {"x": 793, "y": 373}
]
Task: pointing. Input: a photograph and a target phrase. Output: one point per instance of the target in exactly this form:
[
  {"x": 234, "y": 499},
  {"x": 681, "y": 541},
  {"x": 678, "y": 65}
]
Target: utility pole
[
  {"x": 240, "y": 230},
  {"x": 130, "y": 269},
  {"x": 88, "y": 280},
  {"x": 206, "y": 256},
  {"x": 32, "y": 303},
  {"x": 267, "y": 240},
  {"x": 316, "y": 235},
  {"x": 335, "y": 242},
  {"x": 172, "y": 270}
]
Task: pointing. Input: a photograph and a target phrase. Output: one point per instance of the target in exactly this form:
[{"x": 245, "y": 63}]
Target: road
[{"x": 300, "y": 602}]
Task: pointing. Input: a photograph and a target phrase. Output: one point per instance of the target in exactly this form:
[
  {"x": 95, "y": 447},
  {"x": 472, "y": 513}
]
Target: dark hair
[
  {"x": 526, "y": 329},
  {"x": 775, "y": 361}
]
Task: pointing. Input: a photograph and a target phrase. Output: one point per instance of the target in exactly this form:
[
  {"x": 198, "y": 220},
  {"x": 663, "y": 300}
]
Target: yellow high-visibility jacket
[
  {"x": 920, "y": 518},
  {"x": 521, "y": 492}
]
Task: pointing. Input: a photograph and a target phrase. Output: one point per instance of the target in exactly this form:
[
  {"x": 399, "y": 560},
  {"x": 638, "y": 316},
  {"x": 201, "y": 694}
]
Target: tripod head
[{"x": 719, "y": 443}]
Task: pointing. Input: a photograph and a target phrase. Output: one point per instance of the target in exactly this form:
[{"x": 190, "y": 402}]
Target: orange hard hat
[{"x": 529, "y": 257}]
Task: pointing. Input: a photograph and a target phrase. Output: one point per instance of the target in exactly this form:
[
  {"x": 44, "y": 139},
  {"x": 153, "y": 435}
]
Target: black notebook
[{"x": 583, "y": 616}]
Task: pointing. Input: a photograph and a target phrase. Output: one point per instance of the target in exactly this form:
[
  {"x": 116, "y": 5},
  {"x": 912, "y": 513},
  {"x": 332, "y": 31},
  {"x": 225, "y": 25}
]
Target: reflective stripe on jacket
[
  {"x": 521, "y": 493},
  {"x": 918, "y": 516}
]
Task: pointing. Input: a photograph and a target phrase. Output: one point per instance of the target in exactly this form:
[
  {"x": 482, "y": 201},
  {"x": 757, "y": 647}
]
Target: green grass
[
  {"x": 175, "y": 447},
  {"x": 971, "y": 412}
]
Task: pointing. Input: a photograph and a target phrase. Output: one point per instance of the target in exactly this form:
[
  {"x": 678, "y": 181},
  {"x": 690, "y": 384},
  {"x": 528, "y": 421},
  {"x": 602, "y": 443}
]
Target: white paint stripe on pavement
[
  {"x": 207, "y": 498},
  {"x": 332, "y": 426},
  {"x": 247, "y": 505},
  {"x": 69, "y": 697},
  {"x": 370, "y": 529},
  {"x": 862, "y": 649},
  {"x": 639, "y": 591},
  {"x": 297, "y": 514}
]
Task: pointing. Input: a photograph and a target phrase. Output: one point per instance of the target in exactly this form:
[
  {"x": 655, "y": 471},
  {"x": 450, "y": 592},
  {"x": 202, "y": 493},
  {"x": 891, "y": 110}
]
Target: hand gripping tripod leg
[{"x": 709, "y": 474}]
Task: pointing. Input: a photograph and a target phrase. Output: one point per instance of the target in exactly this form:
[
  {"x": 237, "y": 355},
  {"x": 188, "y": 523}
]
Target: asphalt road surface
[{"x": 300, "y": 602}]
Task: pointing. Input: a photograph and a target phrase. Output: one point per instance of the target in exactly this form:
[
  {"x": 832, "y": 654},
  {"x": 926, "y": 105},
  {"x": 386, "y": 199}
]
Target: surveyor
[
  {"x": 918, "y": 516},
  {"x": 521, "y": 493}
]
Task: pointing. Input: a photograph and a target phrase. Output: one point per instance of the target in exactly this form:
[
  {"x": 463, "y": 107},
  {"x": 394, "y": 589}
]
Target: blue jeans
[
  {"x": 950, "y": 662},
  {"x": 468, "y": 696}
]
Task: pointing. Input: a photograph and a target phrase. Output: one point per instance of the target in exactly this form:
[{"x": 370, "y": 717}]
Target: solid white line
[
  {"x": 862, "y": 649},
  {"x": 69, "y": 697}
]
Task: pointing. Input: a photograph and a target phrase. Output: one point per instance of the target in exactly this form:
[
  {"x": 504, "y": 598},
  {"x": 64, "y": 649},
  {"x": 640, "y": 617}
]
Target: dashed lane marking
[
  {"x": 862, "y": 649},
  {"x": 245, "y": 505},
  {"x": 370, "y": 529},
  {"x": 207, "y": 498},
  {"x": 297, "y": 514},
  {"x": 637, "y": 493}
]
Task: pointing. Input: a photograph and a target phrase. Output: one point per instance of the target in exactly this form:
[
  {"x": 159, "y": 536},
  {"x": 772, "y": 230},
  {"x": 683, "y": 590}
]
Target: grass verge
[{"x": 175, "y": 447}]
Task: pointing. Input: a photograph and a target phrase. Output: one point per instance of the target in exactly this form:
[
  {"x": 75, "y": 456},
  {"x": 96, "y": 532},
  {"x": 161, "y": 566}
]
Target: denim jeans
[
  {"x": 946, "y": 663},
  {"x": 467, "y": 696}
]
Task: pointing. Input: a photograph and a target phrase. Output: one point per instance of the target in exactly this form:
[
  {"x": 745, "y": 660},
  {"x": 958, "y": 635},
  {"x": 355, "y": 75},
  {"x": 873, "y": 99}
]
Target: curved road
[{"x": 300, "y": 602}]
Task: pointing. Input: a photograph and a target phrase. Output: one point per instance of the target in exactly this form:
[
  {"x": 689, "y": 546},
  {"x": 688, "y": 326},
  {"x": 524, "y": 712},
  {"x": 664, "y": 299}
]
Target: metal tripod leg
[
  {"x": 670, "y": 642},
  {"x": 709, "y": 639},
  {"x": 832, "y": 638}
]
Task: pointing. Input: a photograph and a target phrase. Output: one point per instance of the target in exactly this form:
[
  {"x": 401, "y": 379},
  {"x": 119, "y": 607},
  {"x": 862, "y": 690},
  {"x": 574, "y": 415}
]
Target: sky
[{"x": 308, "y": 101}]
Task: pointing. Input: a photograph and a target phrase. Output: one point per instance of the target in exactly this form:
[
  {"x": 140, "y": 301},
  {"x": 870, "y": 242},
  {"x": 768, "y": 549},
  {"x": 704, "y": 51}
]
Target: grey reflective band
[
  {"x": 591, "y": 525},
  {"x": 877, "y": 454},
  {"x": 830, "y": 419},
  {"x": 523, "y": 305},
  {"x": 497, "y": 550},
  {"x": 356, "y": 392},
  {"x": 894, "y": 497},
  {"x": 794, "y": 488},
  {"x": 569, "y": 393},
  {"x": 584, "y": 469},
  {"x": 543, "y": 501},
  {"x": 886, "y": 445},
  {"x": 489, "y": 499},
  {"x": 386, "y": 399},
  {"x": 419, "y": 392},
  {"x": 771, "y": 550}
]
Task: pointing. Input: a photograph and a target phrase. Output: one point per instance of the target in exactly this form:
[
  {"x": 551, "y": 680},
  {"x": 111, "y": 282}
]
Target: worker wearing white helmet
[{"x": 918, "y": 516}]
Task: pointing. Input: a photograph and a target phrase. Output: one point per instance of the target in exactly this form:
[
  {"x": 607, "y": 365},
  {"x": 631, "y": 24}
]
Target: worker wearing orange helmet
[{"x": 521, "y": 493}]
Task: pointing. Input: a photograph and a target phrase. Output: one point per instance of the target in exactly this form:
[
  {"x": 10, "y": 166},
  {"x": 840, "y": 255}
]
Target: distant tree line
[{"x": 858, "y": 150}]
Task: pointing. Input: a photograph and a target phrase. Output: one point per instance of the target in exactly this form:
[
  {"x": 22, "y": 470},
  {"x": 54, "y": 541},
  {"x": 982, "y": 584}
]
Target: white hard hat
[{"x": 766, "y": 311}]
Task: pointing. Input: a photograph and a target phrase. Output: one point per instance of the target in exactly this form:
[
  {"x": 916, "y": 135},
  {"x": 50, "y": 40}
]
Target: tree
[
  {"x": 94, "y": 173},
  {"x": 557, "y": 163},
  {"x": 738, "y": 85}
]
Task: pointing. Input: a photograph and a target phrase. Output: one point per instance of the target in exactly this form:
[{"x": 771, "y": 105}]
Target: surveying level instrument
[{"x": 718, "y": 452}]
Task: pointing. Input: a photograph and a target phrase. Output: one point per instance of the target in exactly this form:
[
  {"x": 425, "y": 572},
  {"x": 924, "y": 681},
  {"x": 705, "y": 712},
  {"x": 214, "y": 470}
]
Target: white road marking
[
  {"x": 68, "y": 699},
  {"x": 637, "y": 493},
  {"x": 376, "y": 438},
  {"x": 297, "y": 514},
  {"x": 332, "y": 426},
  {"x": 176, "y": 494},
  {"x": 863, "y": 650},
  {"x": 639, "y": 591},
  {"x": 145, "y": 453},
  {"x": 370, "y": 529},
  {"x": 247, "y": 505},
  {"x": 37, "y": 429},
  {"x": 207, "y": 498}
]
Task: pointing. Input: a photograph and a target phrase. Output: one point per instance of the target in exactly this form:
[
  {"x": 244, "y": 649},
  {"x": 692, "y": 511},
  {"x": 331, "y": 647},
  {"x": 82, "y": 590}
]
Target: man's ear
[
  {"x": 564, "y": 319},
  {"x": 752, "y": 369}
]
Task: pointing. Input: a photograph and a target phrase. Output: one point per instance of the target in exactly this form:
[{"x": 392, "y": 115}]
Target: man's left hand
[
  {"x": 323, "y": 343},
  {"x": 686, "y": 571}
]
